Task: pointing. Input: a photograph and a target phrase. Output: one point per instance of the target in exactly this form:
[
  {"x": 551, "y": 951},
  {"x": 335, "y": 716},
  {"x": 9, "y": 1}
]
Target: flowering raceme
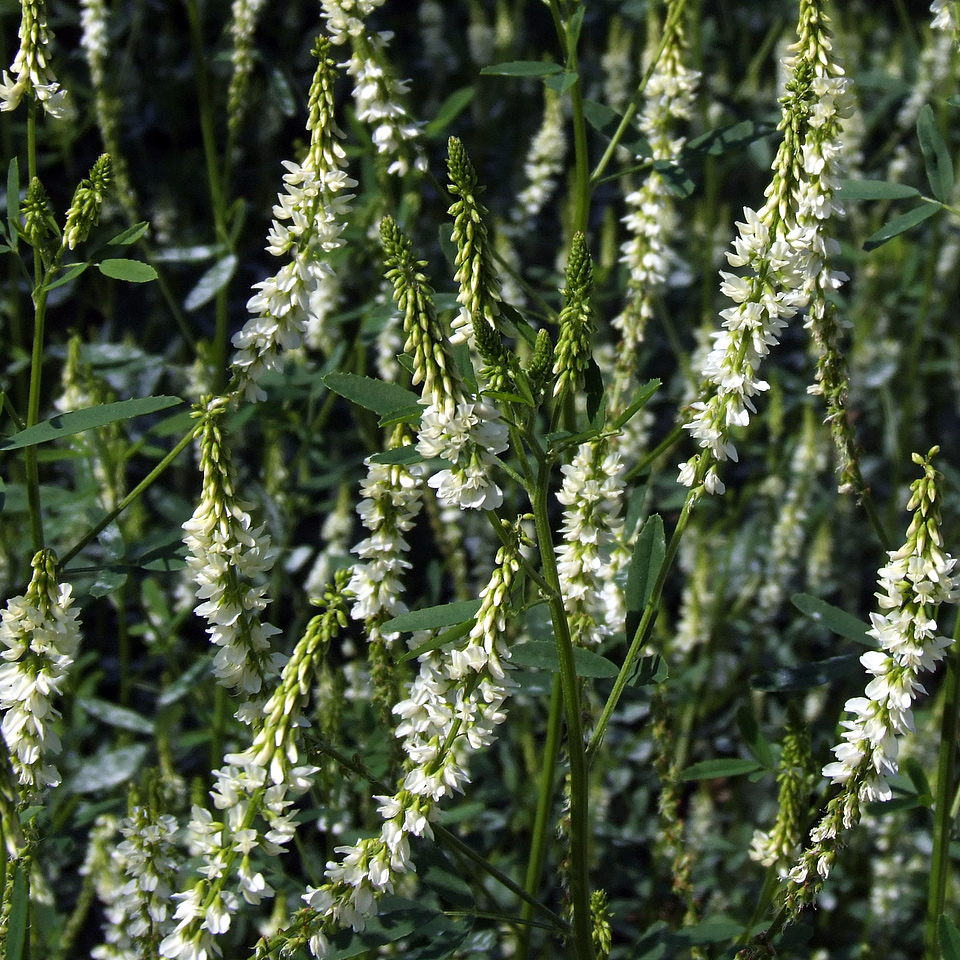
[
  {"x": 309, "y": 219},
  {"x": 30, "y": 68},
  {"x": 913, "y": 583},
  {"x": 783, "y": 248},
  {"x": 39, "y": 635}
]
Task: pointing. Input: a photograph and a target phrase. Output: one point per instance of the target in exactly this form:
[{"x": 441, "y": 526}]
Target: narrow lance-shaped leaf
[
  {"x": 645, "y": 566},
  {"x": 68, "y": 424},
  {"x": 936, "y": 155},
  {"x": 522, "y": 68},
  {"x": 386, "y": 399},
  {"x": 900, "y": 224},
  {"x": 132, "y": 271}
]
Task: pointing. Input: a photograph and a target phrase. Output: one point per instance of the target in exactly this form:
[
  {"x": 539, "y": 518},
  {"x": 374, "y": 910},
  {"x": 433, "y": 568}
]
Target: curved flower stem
[
  {"x": 36, "y": 357},
  {"x": 149, "y": 479},
  {"x": 538, "y": 841},
  {"x": 582, "y": 941},
  {"x": 943, "y": 815},
  {"x": 634, "y": 103},
  {"x": 643, "y": 629}
]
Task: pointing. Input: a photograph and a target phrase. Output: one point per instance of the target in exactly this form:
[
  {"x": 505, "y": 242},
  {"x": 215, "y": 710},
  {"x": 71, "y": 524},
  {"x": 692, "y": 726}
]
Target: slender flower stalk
[
  {"x": 39, "y": 636},
  {"x": 308, "y": 221},
  {"x": 915, "y": 580},
  {"x": 244, "y": 16},
  {"x": 378, "y": 95},
  {"x": 451, "y": 711},
  {"x": 592, "y": 493},
  {"x": 31, "y": 68},
  {"x": 651, "y": 218},
  {"x": 782, "y": 248},
  {"x": 228, "y": 557},
  {"x": 255, "y": 789},
  {"x": 466, "y": 431}
]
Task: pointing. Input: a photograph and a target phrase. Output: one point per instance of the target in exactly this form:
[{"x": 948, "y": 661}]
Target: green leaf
[
  {"x": 108, "y": 768},
  {"x": 875, "y": 190},
  {"x": 440, "y": 640},
  {"x": 641, "y": 399},
  {"x": 561, "y": 82},
  {"x": 13, "y": 200},
  {"x": 645, "y": 565},
  {"x": 723, "y": 139},
  {"x": 713, "y": 769},
  {"x": 936, "y": 155},
  {"x": 68, "y": 424},
  {"x": 918, "y": 777},
  {"x": 648, "y": 670},
  {"x": 542, "y": 655},
  {"x": 133, "y": 271},
  {"x": 17, "y": 921},
  {"x": 948, "y": 937},
  {"x": 130, "y": 235},
  {"x": 386, "y": 399},
  {"x": 596, "y": 395},
  {"x": 211, "y": 283},
  {"x": 753, "y": 739},
  {"x": 115, "y": 716},
  {"x": 522, "y": 68},
  {"x": 901, "y": 224},
  {"x": 712, "y": 930},
  {"x": 436, "y": 872},
  {"x": 71, "y": 272},
  {"x": 184, "y": 683},
  {"x": 601, "y": 117},
  {"x": 833, "y": 618},
  {"x": 574, "y": 25},
  {"x": 402, "y": 455},
  {"x": 450, "y": 109},
  {"x": 430, "y": 618},
  {"x": 808, "y": 675},
  {"x": 396, "y": 920},
  {"x": 675, "y": 177}
]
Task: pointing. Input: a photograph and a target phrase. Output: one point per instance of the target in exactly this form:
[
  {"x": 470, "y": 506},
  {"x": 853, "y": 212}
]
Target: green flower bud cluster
[
  {"x": 84, "y": 211},
  {"x": 576, "y": 321}
]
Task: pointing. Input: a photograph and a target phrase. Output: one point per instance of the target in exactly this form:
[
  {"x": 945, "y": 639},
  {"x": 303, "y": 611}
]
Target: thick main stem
[
  {"x": 582, "y": 940},
  {"x": 943, "y": 815}
]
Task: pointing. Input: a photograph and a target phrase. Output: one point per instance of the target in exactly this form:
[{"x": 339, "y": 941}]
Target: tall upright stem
[{"x": 582, "y": 940}]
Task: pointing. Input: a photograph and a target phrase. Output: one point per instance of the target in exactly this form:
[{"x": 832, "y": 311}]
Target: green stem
[
  {"x": 538, "y": 841},
  {"x": 634, "y": 103},
  {"x": 582, "y": 940},
  {"x": 149, "y": 479},
  {"x": 643, "y": 629},
  {"x": 217, "y": 191},
  {"x": 943, "y": 819}
]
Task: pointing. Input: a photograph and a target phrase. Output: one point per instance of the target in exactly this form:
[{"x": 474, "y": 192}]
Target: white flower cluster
[
  {"x": 592, "y": 493},
  {"x": 390, "y": 504},
  {"x": 30, "y": 68},
  {"x": 244, "y": 15},
  {"x": 308, "y": 221},
  {"x": 914, "y": 582},
  {"x": 345, "y": 18},
  {"x": 469, "y": 435},
  {"x": 133, "y": 880},
  {"x": 310, "y": 217},
  {"x": 451, "y": 711},
  {"x": 39, "y": 635},
  {"x": 651, "y": 218},
  {"x": 227, "y": 555},
  {"x": 945, "y": 15},
  {"x": 544, "y": 162},
  {"x": 93, "y": 20},
  {"x": 379, "y": 101},
  {"x": 763, "y": 304}
]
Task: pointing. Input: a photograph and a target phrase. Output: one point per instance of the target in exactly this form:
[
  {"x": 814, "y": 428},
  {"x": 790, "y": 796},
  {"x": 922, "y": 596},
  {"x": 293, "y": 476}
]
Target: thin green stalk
[
  {"x": 943, "y": 818},
  {"x": 146, "y": 482},
  {"x": 451, "y": 840},
  {"x": 538, "y": 840},
  {"x": 582, "y": 940},
  {"x": 217, "y": 191},
  {"x": 634, "y": 103},
  {"x": 643, "y": 629}
]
